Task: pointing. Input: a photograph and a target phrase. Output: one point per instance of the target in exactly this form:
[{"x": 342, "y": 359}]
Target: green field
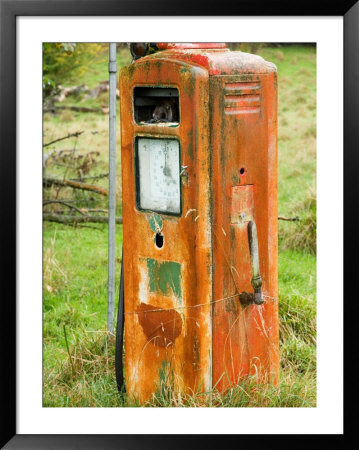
[{"x": 78, "y": 358}]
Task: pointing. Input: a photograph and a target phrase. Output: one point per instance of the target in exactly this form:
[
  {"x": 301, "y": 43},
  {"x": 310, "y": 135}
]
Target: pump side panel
[
  {"x": 167, "y": 335},
  {"x": 244, "y": 139}
]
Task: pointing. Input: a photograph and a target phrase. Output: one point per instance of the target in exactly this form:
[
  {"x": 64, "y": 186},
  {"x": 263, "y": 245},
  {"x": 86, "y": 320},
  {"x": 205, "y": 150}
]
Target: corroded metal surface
[
  {"x": 245, "y": 338},
  {"x": 242, "y": 206},
  {"x": 183, "y": 313},
  {"x": 150, "y": 282}
]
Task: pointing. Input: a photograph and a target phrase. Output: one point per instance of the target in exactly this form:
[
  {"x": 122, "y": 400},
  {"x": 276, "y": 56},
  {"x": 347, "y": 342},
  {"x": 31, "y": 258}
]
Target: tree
[{"x": 62, "y": 62}]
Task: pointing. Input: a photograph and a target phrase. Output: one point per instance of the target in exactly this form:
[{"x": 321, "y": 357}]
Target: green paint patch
[
  {"x": 164, "y": 277},
  {"x": 156, "y": 223}
]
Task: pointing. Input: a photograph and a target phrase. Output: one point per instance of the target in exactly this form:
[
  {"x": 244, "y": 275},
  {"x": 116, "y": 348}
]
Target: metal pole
[{"x": 112, "y": 68}]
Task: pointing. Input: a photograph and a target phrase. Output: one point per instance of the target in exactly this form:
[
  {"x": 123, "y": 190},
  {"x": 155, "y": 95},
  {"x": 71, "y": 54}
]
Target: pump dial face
[{"x": 159, "y": 175}]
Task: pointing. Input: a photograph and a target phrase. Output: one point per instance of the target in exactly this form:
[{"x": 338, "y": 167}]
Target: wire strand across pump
[{"x": 195, "y": 306}]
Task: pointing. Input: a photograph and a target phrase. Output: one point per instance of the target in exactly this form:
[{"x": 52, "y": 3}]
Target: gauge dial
[{"x": 159, "y": 175}]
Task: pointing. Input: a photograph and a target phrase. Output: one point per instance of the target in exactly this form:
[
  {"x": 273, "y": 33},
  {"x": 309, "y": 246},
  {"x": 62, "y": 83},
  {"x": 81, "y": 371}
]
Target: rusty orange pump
[{"x": 199, "y": 177}]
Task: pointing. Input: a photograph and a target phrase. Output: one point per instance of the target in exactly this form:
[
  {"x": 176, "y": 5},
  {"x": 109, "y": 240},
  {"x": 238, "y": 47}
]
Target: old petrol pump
[{"x": 199, "y": 177}]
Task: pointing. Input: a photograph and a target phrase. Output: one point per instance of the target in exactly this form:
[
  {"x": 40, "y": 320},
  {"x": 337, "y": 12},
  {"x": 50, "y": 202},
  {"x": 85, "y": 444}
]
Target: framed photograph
[{"x": 59, "y": 366}]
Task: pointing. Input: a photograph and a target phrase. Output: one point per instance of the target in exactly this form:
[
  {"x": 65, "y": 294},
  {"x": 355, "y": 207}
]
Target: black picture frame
[{"x": 9, "y": 10}]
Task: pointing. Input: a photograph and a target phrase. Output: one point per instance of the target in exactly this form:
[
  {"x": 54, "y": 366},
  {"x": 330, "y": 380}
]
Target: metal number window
[{"x": 158, "y": 175}]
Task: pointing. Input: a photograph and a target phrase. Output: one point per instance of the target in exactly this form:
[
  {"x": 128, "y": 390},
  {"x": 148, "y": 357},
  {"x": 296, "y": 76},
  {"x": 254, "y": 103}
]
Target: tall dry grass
[{"x": 54, "y": 274}]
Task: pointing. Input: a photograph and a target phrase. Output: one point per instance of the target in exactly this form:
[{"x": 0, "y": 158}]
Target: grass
[
  {"x": 78, "y": 357},
  {"x": 296, "y": 142},
  {"x": 76, "y": 311}
]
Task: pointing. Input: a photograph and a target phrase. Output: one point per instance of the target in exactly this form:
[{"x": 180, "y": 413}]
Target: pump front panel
[{"x": 167, "y": 238}]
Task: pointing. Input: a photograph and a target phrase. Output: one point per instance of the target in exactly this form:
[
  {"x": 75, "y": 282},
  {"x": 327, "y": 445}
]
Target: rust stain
[
  {"x": 228, "y": 146},
  {"x": 187, "y": 242},
  {"x": 242, "y": 208},
  {"x": 161, "y": 327},
  {"x": 244, "y": 146},
  {"x": 196, "y": 353}
]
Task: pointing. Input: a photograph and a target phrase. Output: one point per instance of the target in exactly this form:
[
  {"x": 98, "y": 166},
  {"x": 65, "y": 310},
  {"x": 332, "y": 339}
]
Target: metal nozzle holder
[{"x": 256, "y": 280}]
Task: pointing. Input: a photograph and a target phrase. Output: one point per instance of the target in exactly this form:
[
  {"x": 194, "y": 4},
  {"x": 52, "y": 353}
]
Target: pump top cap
[{"x": 189, "y": 45}]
